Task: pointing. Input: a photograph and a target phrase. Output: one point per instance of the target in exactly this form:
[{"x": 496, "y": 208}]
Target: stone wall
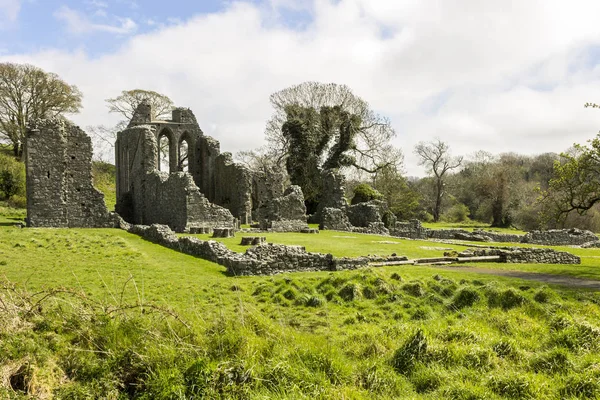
[
  {"x": 525, "y": 255},
  {"x": 284, "y": 214},
  {"x": 266, "y": 259},
  {"x": 556, "y": 237},
  {"x": 363, "y": 214},
  {"x": 560, "y": 237},
  {"x": 58, "y": 157},
  {"x": 234, "y": 188},
  {"x": 146, "y": 195},
  {"x": 333, "y": 195},
  {"x": 334, "y": 219}
]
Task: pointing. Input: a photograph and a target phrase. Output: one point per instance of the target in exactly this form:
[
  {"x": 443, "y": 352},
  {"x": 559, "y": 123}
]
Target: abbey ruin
[{"x": 200, "y": 188}]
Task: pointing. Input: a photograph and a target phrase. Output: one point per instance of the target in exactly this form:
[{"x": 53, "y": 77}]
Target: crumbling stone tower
[
  {"x": 200, "y": 187},
  {"x": 58, "y": 157}
]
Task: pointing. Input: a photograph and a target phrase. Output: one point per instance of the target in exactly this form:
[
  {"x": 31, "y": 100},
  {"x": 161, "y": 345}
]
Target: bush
[
  {"x": 457, "y": 213},
  {"x": 12, "y": 177},
  {"x": 364, "y": 192}
]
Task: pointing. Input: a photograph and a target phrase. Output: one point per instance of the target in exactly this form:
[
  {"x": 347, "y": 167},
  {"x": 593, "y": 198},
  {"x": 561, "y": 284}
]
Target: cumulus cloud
[
  {"x": 9, "y": 11},
  {"x": 511, "y": 76},
  {"x": 77, "y": 23}
]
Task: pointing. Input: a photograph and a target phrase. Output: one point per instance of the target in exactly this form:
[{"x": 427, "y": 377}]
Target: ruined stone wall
[
  {"x": 560, "y": 237},
  {"x": 334, "y": 219},
  {"x": 260, "y": 260},
  {"x": 148, "y": 196},
  {"x": 363, "y": 214},
  {"x": 525, "y": 255},
  {"x": 285, "y": 213},
  {"x": 233, "y": 189},
  {"x": 333, "y": 194},
  {"x": 58, "y": 157}
]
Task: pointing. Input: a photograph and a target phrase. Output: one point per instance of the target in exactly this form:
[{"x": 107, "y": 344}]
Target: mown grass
[
  {"x": 344, "y": 244},
  {"x": 393, "y": 332}
]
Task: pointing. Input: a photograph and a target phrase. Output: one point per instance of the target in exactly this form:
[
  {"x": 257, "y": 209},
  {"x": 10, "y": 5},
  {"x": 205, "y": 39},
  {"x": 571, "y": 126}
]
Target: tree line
[{"x": 315, "y": 127}]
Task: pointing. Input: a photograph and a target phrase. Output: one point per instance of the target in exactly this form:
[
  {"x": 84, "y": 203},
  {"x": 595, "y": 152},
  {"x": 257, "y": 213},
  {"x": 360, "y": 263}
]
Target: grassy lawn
[{"x": 392, "y": 332}]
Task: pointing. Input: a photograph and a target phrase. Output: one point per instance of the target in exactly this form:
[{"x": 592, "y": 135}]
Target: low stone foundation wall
[
  {"x": 555, "y": 237},
  {"x": 524, "y": 255},
  {"x": 267, "y": 259},
  {"x": 560, "y": 237}
]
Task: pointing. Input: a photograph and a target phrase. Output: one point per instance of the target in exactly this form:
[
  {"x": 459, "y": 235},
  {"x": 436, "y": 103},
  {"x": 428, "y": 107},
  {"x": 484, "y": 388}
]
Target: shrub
[
  {"x": 364, "y": 192},
  {"x": 12, "y": 177},
  {"x": 457, "y": 213},
  {"x": 411, "y": 352}
]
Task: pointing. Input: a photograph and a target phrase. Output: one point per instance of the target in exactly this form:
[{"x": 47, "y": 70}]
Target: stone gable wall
[{"x": 58, "y": 157}]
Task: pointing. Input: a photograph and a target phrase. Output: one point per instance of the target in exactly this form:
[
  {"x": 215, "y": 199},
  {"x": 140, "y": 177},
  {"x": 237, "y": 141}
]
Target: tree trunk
[
  {"x": 438, "y": 200},
  {"x": 16, "y": 150},
  {"x": 498, "y": 218}
]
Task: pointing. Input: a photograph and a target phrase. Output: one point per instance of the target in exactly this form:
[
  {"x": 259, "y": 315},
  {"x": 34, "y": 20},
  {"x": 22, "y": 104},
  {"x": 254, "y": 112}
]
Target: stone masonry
[
  {"x": 201, "y": 188},
  {"x": 58, "y": 157}
]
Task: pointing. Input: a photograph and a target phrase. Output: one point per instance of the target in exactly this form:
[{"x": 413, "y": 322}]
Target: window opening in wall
[
  {"x": 183, "y": 156},
  {"x": 163, "y": 153}
]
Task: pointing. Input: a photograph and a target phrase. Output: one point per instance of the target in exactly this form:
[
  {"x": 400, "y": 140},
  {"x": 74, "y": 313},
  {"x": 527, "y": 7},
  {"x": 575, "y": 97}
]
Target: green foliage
[
  {"x": 364, "y": 193},
  {"x": 317, "y": 140},
  {"x": 575, "y": 185},
  {"x": 457, "y": 213},
  {"x": 27, "y": 93},
  {"x": 12, "y": 177}
]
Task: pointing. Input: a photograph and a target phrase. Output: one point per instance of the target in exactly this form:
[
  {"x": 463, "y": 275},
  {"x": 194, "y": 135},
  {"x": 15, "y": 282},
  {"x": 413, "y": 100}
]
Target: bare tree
[
  {"x": 27, "y": 93},
  {"x": 104, "y": 137},
  {"x": 436, "y": 157}
]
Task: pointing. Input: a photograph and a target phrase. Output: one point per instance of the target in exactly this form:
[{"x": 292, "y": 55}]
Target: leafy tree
[
  {"x": 402, "y": 199},
  {"x": 28, "y": 93},
  {"x": 126, "y": 103},
  {"x": 436, "y": 157},
  {"x": 575, "y": 186}
]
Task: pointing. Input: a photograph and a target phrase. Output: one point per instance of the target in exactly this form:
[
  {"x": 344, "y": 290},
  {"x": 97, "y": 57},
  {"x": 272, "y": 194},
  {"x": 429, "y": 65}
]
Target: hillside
[{"x": 103, "y": 313}]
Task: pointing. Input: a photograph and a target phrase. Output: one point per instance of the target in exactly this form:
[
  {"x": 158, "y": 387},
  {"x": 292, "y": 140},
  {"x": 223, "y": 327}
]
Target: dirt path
[{"x": 551, "y": 279}]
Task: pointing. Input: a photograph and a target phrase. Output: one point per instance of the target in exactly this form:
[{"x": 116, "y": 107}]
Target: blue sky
[{"x": 494, "y": 76}]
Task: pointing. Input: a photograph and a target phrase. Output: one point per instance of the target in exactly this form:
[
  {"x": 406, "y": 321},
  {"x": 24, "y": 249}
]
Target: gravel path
[{"x": 533, "y": 276}]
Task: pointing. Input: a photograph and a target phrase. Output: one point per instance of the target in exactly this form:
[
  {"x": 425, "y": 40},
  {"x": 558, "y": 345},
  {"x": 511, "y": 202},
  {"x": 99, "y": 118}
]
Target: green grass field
[{"x": 124, "y": 318}]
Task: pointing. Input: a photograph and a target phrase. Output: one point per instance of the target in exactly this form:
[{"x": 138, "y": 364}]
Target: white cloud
[
  {"x": 78, "y": 23},
  {"x": 504, "y": 76},
  {"x": 9, "y": 11}
]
